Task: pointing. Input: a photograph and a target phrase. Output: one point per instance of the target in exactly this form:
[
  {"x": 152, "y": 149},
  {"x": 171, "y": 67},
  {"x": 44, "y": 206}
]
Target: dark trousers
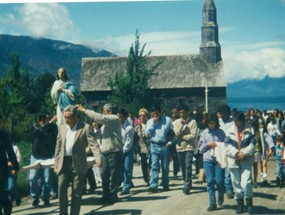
[
  {"x": 198, "y": 162},
  {"x": 4, "y": 200},
  {"x": 186, "y": 160},
  {"x": 91, "y": 180},
  {"x": 54, "y": 182},
  {"x": 145, "y": 167},
  {"x": 176, "y": 165},
  {"x": 111, "y": 170},
  {"x": 65, "y": 177}
]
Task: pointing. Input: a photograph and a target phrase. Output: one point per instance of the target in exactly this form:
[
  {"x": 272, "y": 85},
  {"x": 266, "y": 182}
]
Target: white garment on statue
[{"x": 54, "y": 95}]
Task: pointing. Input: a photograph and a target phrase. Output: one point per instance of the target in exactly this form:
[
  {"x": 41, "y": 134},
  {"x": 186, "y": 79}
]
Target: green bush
[{"x": 22, "y": 183}]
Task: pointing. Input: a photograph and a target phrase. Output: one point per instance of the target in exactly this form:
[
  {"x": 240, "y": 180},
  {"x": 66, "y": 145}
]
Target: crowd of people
[{"x": 226, "y": 147}]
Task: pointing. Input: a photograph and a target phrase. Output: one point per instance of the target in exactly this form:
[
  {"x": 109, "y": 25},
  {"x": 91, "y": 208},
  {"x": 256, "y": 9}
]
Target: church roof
[{"x": 178, "y": 71}]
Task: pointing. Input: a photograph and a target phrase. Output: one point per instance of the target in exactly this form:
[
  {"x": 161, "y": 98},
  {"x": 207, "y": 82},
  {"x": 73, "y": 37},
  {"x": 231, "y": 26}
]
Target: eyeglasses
[{"x": 142, "y": 115}]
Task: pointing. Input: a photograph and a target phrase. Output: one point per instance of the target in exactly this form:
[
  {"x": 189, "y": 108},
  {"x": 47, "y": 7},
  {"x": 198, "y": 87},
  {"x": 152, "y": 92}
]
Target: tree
[
  {"x": 22, "y": 97},
  {"x": 130, "y": 88}
]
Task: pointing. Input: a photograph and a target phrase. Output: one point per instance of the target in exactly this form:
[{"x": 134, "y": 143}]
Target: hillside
[
  {"x": 267, "y": 87},
  {"x": 42, "y": 55}
]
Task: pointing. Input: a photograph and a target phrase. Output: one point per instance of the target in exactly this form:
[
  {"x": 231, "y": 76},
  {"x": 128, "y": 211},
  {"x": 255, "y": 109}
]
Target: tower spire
[{"x": 210, "y": 49}]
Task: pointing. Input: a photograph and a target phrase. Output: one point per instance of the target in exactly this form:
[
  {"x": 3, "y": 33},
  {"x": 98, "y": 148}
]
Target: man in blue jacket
[{"x": 159, "y": 130}]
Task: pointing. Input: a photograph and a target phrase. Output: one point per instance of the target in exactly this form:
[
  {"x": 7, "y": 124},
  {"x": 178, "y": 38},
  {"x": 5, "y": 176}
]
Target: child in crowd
[
  {"x": 263, "y": 146},
  {"x": 240, "y": 148},
  {"x": 210, "y": 139},
  {"x": 273, "y": 129},
  {"x": 280, "y": 170}
]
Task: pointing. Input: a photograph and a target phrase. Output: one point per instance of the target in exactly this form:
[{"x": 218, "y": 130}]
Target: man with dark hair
[
  {"x": 186, "y": 133},
  {"x": 111, "y": 148},
  {"x": 225, "y": 123},
  {"x": 173, "y": 153},
  {"x": 43, "y": 146},
  {"x": 6, "y": 149},
  {"x": 51, "y": 138},
  {"x": 159, "y": 130},
  {"x": 240, "y": 147},
  {"x": 128, "y": 132}
]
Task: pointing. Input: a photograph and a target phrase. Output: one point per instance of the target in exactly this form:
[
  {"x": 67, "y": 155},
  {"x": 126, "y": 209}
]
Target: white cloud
[
  {"x": 254, "y": 64},
  {"x": 47, "y": 20},
  {"x": 7, "y": 19},
  {"x": 241, "y": 60},
  {"x": 172, "y": 43},
  {"x": 239, "y": 46},
  {"x": 159, "y": 43}
]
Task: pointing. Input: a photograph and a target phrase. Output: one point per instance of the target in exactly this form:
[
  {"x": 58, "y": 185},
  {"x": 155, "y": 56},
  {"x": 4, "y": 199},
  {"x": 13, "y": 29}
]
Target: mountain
[
  {"x": 267, "y": 87},
  {"x": 45, "y": 55}
]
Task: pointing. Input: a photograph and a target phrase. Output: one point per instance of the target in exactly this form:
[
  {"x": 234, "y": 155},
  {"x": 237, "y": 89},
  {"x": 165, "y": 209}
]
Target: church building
[{"x": 195, "y": 79}]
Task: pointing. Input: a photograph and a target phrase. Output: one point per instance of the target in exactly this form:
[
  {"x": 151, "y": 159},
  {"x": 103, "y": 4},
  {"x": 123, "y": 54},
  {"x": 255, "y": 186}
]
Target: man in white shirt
[{"x": 71, "y": 159}]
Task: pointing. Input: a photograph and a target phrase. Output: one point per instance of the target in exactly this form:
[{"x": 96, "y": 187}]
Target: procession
[{"x": 101, "y": 125}]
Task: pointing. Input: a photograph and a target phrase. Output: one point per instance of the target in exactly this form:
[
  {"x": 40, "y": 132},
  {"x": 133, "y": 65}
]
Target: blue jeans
[
  {"x": 186, "y": 160},
  {"x": 214, "y": 177},
  {"x": 280, "y": 170},
  {"x": 12, "y": 186},
  {"x": 128, "y": 159},
  {"x": 34, "y": 176},
  {"x": 159, "y": 153},
  {"x": 242, "y": 180},
  {"x": 228, "y": 181}
]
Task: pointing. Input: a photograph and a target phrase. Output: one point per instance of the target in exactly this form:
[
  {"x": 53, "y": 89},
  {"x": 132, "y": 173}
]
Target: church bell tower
[{"x": 210, "y": 49}]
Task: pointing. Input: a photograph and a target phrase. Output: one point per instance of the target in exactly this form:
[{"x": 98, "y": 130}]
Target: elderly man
[
  {"x": 70, "y": 158},
  {"x": 111, "y": 148}
]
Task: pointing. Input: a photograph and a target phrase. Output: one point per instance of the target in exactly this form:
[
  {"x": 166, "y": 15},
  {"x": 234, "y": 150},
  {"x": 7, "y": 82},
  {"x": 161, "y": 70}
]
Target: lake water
[{"x": 260, "y": 103}]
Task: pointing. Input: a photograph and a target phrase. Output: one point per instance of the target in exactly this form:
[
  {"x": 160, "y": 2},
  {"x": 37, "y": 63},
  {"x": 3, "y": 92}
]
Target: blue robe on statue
[{"x": 63, "y": 98}]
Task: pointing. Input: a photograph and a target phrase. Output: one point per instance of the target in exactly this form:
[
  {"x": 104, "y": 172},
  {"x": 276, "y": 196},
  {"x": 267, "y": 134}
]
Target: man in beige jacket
[
  {"x": 70, "y": 158},
  {"x": 186, "y": 133}
]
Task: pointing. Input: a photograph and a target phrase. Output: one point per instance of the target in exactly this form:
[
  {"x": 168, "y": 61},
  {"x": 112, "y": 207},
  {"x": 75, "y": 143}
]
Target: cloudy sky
[{"x": 252, "y": 32}]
